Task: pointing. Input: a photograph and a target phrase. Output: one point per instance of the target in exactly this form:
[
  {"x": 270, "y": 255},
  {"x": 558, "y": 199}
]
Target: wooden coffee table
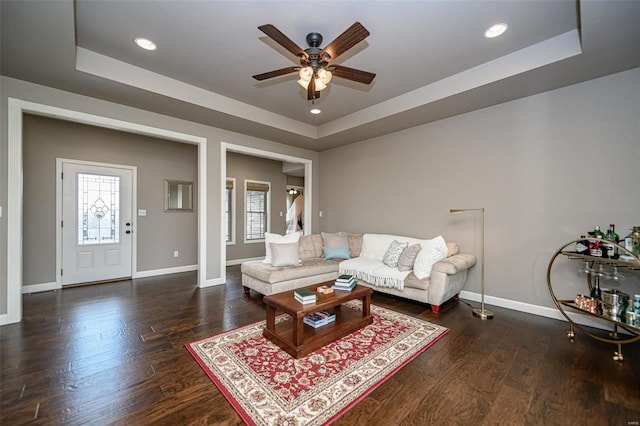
[{"x": 299, "y": 339}]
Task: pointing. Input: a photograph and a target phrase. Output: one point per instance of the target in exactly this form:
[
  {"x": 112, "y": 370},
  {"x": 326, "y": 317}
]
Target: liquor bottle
[
  {"x": 582, "y": 246},
  {"x": 595, "y": 247},
  {"x": 596, "y": 293},
  {"x": 597, "y": 232},
  {"x": 611, "y": 237},
  {"x": 630, "y": 316}
]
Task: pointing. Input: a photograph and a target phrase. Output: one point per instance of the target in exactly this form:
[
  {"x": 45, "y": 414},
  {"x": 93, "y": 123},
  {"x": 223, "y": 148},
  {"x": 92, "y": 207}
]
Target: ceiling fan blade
[
  {"x": 353, "y": 74},
  {"x": 284, "y": 41},
  {"x": 275, "y": 73},
  {"x": 345, "y": 41}
]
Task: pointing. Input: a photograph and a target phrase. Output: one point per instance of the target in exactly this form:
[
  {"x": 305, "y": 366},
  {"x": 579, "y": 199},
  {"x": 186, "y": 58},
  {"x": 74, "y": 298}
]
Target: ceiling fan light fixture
[
  {"x": 305, "y": 74},
  {"x": 145, "y": 43},
  {"x": 315, "y": 111},
  {"x": 304, "y": 83},
  {"x": 319, "y": 84},
  {"x": 324, "y": 75},
  {"x": 496, "y": 30}
]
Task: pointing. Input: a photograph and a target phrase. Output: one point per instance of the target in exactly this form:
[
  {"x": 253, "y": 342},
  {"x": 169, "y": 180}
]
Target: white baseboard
[
  {"x": 233, "y": 262},
  {"x": 37, "y": 288},
  {"x": 165, "y": 271},
  {"x": 543, "y": 311},
  {"x": 4, "y": 319},
  {"x": 212, "y": 282}
]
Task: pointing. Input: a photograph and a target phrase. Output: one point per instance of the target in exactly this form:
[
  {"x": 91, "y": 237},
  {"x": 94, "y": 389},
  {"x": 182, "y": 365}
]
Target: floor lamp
[{"x": 482, "y": 312}]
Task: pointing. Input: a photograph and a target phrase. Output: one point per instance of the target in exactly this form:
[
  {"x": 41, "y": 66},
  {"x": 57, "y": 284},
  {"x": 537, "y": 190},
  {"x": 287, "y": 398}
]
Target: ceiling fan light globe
[
  {"x": 320, "y": 85},
  {"x": 306, "y": 73},
  {"x": 324, "y": 75},
  {"x": 304, "y": 83}
]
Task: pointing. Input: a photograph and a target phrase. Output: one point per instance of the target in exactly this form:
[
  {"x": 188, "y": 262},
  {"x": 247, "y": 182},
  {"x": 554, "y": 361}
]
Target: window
[
  {"x": 230, "y": 208},
  {"x": 257, "y": 204}
]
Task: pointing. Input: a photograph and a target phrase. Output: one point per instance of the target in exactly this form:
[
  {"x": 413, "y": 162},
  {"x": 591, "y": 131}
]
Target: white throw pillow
[
  {"x": 284, "y": 254},
  {"x": 277, "y": 239},
  {"x": 432, "y": 251}
]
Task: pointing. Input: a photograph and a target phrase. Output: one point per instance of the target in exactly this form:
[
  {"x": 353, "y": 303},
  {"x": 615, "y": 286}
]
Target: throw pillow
[
  {"x": 408, "y": 258},
  {"x": 336, "y": 252},
  {"x": 432, "y": 251},
  {"x": 334, "y": 240},
  {"x": 270, "y": 238},
  {"x": 284, "y": 254},
  {"x": 393, "y": 253}
]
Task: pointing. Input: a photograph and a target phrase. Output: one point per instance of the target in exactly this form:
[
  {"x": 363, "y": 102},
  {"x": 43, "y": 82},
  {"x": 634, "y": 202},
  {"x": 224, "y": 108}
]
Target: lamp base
[{"x": 482, "y": 313}]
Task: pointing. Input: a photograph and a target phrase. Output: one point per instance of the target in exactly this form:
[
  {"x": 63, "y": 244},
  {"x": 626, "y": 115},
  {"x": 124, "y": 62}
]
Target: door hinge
[
  {"x": 61, "y": 175},
  {"x": 62, "y": 224},
  {"x": 61, "y": 274}
]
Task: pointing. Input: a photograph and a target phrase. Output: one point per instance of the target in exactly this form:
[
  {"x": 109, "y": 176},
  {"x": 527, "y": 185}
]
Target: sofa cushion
[
  {"x": 452, "y": 249},
  {"x": 432, "y": 252},
  {"x": 306, "y": 248},
  {"x": 273, "y": 274},
  {"x": 393, "y": 253},
  {"x": 275, "y": 238},
  {"x": 413, "y": 282},
  {"x": 355, "y": 244},
  {"x": 408, "y": 257},
  {"x": 285, "y": 254},
  {"x": 335, "y": 240}
]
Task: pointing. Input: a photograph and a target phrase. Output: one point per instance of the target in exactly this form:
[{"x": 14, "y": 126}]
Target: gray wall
[
  {"x": 244, "y": 167},
  {"x": 213, "y": 241},
  {"x": 159, "y": 233},
  {"x": 547, "y": 169}
]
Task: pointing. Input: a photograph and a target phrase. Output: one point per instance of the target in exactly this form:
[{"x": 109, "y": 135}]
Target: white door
[{"x": 96, "y": 223}]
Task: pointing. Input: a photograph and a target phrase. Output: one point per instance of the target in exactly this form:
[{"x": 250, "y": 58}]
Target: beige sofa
[{"x": 447, "y": 277}]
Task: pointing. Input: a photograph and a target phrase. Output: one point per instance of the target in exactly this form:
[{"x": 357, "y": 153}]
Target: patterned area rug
[{"x": 267, "y": 386}]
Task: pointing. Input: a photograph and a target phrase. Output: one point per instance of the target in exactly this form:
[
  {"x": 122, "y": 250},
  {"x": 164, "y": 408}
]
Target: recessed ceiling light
[
  {"x": 146, "y": 43},
  {"x": 315, "y": 111},
  {"x": 496, "y": 30}
]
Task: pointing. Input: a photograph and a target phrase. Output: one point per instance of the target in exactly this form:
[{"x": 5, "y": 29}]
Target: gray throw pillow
[
  {"x": 285, "y": 254},
  {"x": 335, "y": 240},
  {"x": 393, "y": 253},
  {"x": 408, "y": 258}
]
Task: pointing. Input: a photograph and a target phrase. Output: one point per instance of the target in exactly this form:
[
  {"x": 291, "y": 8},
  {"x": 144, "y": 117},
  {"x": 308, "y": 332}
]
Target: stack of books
[
  {"x": 345, "y": 282},
  {"x": 305, "y": 296},
  {"x": 318, "y": 319}
]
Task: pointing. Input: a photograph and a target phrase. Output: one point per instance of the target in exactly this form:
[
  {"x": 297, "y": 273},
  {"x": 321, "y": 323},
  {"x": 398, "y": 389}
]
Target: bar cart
[{"x": 623, "y": 331}]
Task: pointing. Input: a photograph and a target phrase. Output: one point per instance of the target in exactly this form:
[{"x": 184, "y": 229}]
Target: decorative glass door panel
[{"x": 98, "y": 209}]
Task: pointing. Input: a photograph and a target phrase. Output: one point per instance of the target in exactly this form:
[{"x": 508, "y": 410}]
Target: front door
[{"x": 96, "y": 223}]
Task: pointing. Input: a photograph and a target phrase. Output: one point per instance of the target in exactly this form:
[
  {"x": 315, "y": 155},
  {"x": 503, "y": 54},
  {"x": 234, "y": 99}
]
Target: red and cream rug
[{"x": 266, "y": 386}]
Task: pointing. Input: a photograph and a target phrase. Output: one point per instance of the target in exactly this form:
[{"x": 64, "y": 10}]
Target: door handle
[{"x": 127, "y": 231}]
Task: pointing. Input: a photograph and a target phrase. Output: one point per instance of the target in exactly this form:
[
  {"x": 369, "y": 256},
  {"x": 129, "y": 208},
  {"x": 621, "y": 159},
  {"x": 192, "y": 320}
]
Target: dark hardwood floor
[{"x": 114, "y": 354}]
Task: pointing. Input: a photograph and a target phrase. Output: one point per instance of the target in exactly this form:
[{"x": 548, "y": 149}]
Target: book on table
[
  {"x": 305, "y": 296},
  {"x": 318, "y": 319},
  {"x": 345, "y": 278},
  {"x": 344, "y": 286}
]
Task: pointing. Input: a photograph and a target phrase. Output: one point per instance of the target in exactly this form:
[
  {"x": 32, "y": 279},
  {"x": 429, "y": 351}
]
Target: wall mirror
[{"x": 178, "y": 195}]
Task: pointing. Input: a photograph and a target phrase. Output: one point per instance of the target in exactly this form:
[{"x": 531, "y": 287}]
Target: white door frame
[
  {"x": 134, "y": 210},
  {"x": 16, "y": 108},
  {"x": 255, "y": 152}
]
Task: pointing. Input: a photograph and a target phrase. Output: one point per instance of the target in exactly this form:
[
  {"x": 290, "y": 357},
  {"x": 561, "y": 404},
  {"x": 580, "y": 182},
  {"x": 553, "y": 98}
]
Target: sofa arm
[{"x": 454, "y": 264}]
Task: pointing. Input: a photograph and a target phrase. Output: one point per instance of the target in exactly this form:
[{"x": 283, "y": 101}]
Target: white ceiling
[{"x": 430, "y": 57}]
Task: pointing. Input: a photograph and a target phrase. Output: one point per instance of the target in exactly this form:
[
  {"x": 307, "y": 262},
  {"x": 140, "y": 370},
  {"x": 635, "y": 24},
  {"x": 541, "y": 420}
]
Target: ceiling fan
[{"x": 315, "y": 70}]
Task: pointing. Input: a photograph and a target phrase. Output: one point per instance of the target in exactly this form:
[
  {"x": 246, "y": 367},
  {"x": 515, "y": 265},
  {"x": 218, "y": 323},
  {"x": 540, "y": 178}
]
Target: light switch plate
[{"x": 142, "y": 212}]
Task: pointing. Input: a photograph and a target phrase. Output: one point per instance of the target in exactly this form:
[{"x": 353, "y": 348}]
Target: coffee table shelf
[{"x": 299, "y": 339}]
